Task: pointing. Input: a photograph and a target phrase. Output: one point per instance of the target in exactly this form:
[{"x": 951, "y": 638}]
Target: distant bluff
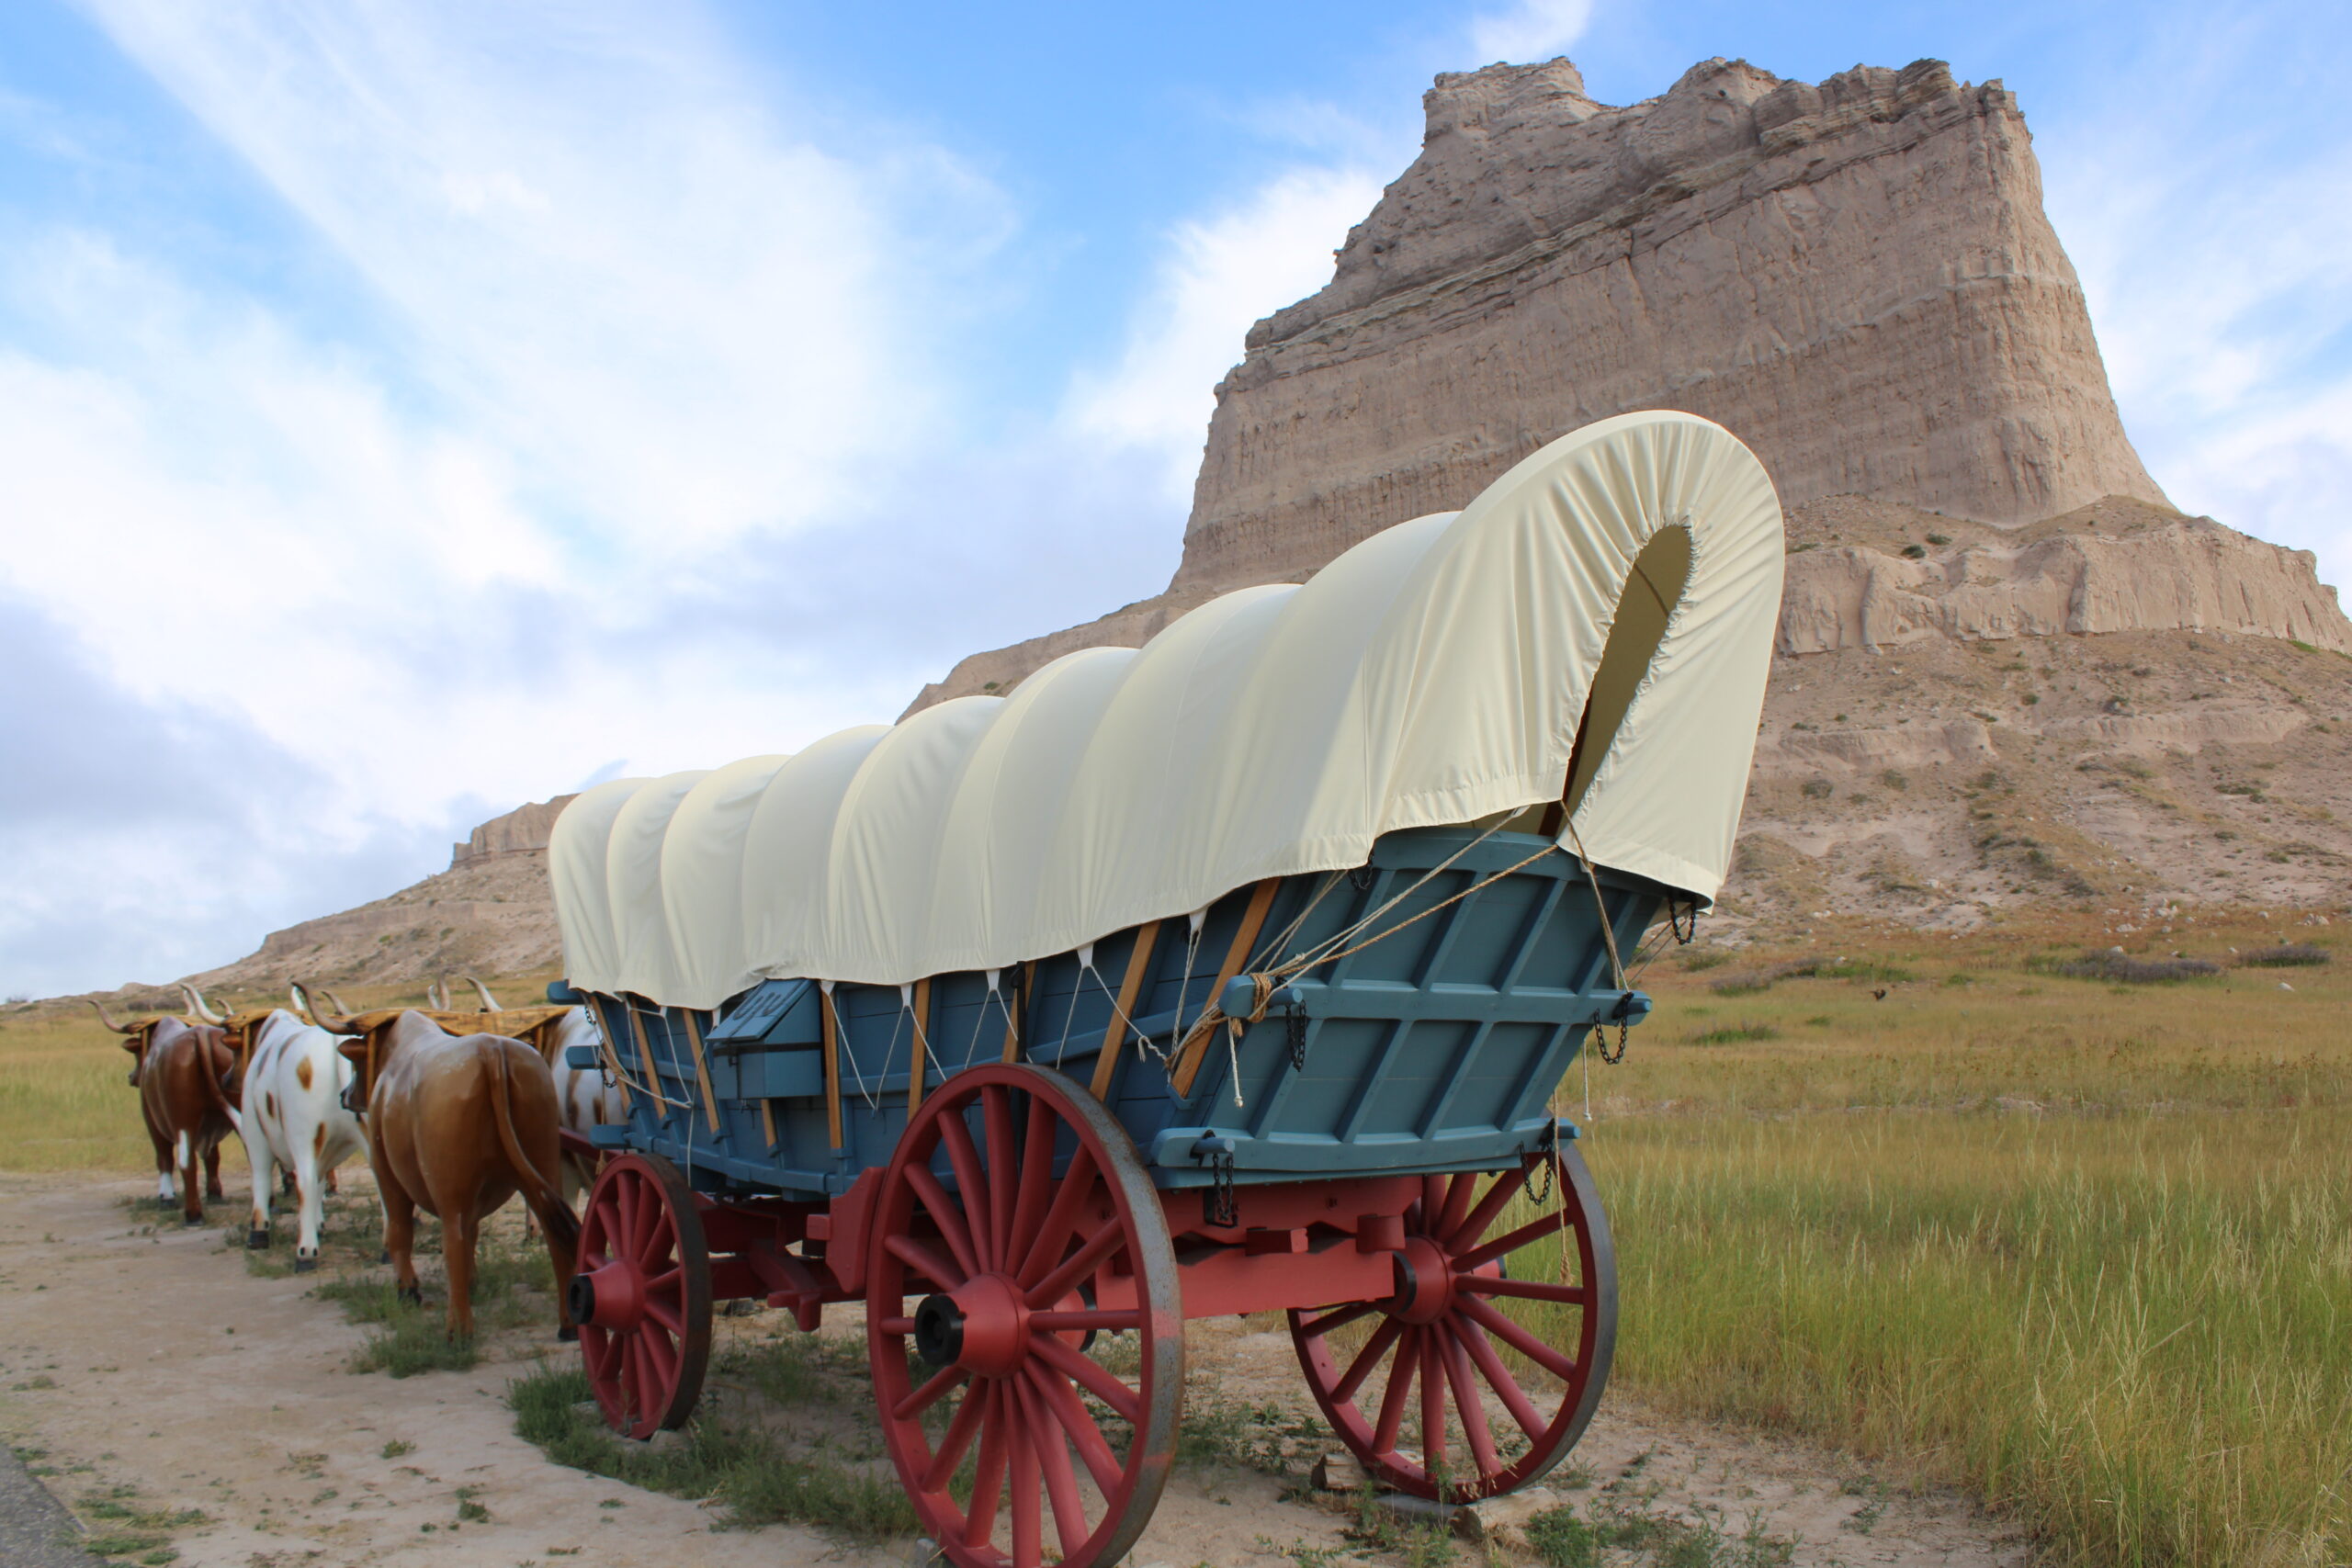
[{"x": 1856, "y": 278}]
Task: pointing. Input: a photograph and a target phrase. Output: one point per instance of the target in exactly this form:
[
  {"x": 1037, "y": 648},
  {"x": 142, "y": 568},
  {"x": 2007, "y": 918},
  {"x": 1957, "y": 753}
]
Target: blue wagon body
[{"x": 1434, "y": 1046}]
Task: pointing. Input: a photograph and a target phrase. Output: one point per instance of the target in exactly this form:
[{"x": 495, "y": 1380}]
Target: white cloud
[
  {"x": 2220, "y": 288},
  {"x": 635, "y": 333},
  {"x": 1221, "y": 273},
  {"x": 1529, "y": 30}
]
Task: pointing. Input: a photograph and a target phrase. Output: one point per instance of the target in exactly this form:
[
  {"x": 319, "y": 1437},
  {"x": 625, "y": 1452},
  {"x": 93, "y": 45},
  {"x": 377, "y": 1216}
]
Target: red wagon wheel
[
  {"x": 643, "y": 1295},
  {"x": 995, "y": 1413},
  {"x": 1484, "y": 1318}
]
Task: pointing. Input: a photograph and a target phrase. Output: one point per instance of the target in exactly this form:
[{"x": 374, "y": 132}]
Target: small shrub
[
  {"x": 1816, "y": 789},
  {"x": 1733, "y": 1034},
  {"x": 1939, "y": 540},
  {"x": 1916, "y": 552},
  {"x": 2293, "y": 955},
  {"x": 2117, "y": 968},
  {"x": 1704, "y": 958}
]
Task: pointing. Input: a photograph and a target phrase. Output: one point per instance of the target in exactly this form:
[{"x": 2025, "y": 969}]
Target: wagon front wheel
[
  {"x": 1015, "y": 1219},
  {"x": 1480, "y": 1372},
  {"x": 643, "y": 1295}
]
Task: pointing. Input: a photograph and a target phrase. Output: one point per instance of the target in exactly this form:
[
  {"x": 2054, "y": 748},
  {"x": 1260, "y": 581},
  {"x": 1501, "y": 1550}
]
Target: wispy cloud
[
  {"x": 1221, "y": 273},
  {"x": 628, "y": 335},
  {"x": 2221, "y": 286},
  {"x": 1530, "y": 30}
]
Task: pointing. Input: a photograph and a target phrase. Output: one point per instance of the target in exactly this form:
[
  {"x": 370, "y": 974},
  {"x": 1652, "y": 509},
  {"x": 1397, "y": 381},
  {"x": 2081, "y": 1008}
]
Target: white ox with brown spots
[{"x": 294, "y": 1117}]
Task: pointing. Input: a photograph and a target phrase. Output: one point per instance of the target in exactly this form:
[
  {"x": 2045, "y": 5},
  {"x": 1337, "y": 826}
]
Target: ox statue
[
  {"x": 188, "y": 1088},
  {"x": 588, "y": 1096},
  {"x": 293, "y": 1117},
  {"x": 457, "y": 1124}
]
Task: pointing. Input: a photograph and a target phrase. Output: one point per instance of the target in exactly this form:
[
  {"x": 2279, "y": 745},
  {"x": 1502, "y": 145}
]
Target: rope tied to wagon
[{"x": 1264, "y": 983}]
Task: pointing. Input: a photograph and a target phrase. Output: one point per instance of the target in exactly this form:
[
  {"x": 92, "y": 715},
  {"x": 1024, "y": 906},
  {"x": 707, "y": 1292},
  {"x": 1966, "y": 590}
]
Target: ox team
[{"x": 458, "y": 1112}]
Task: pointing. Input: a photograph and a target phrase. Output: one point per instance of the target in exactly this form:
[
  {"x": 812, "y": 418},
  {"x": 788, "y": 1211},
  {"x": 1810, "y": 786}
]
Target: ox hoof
[
  {"x": 413, "y": 1295},
  {"x": 162, "y": 1202},
  {"x": 257, "y": 1239},
  {"x": 191, "y": 1221},
  {"x": 385, "y": 1256},
  {"x": 304, "y": 1265},
  {"x": 568, "y": 1333}
]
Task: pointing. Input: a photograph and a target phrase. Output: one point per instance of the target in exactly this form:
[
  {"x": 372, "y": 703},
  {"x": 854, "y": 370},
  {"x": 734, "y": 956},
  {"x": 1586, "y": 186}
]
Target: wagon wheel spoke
[
  {"x": 1036, "y": 1196},
  {"x": 1519, "y": 1339},
  {"x": 1093, "y": 1376},
  {"x": 1509, "y": 1242},
  {"x": 1392, "y": 1403},
  {"x": 1491, "y": 1367},
  {"x": 1061, "y": 1219},
  {"x": 996, "y": 1122},
  {"x": 1528, "y": 1290},
  {"x": 1489, "y": 1209},
  {"x": 1028, "y": 1534},
  {"x": 1467, "y": 1405},
  {"x": 971, "y": 1182},
  {"x": 957, "y": 1439},
  {"x": 944, "y": 1212},
  {"x": 1456, "y": 1208},
  {"x": 1051, "y": 1445},
  {"x": 1432, "y": 1409},
  {"x": 1094, "y": 1449},
  {"x": 938, "y": 1387},
  {"x": 1078, "y": 1265},
  {"x": 1367, "y": 1360},
  {"x": 1337, "y": 1317},
  {"x": 988, "y": 1481},
  {"x": 926, "y": 1260}
]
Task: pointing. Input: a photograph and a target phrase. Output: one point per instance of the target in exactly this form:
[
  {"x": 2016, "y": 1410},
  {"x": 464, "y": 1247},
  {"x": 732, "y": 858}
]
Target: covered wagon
[{"x": 1234, "y": 974}]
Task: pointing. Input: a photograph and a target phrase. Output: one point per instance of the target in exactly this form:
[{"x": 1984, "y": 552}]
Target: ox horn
[
  {"x": 489, "y": 1002},
  {"x": 437, "y": 995},
  {"x": 321, "y": 1016},
  {"x": 196, "y": 1004},
  {"x": 110, "y": 1023},
  {"x": 302, "y": 1001},
  {"x": 340, "y": 1006}
]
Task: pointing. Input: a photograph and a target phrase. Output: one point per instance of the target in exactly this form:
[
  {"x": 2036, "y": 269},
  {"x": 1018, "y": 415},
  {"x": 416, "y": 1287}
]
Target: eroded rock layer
[{"x": 1857, "y": 278}]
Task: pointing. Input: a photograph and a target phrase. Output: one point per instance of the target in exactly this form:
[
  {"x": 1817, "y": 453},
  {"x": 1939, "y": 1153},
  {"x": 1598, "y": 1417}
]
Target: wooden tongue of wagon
[{"x": 1235, "y": 973}]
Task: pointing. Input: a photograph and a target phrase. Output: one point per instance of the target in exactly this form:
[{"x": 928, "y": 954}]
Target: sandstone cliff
[{"x": 1856, "y": 278}]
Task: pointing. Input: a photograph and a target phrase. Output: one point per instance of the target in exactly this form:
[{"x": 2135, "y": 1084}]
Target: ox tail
[
  {"x": 206, "y": 1070},
  {"x": 550, "y": 1193}
]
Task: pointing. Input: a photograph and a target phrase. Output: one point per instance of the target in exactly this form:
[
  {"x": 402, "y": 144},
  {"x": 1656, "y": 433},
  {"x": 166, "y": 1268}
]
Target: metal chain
[{"x": 1217, "y": 1204}]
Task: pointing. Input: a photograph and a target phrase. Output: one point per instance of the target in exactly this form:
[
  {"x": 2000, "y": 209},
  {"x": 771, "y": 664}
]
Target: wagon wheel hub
[
  {"x": 981, "y": 1326},
  {"x": 1424, "y": 1282},
  {"x": 611, "y": 1297}
]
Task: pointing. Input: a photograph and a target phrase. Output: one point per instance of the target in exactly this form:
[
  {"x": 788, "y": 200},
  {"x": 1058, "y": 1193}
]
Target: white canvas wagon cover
[{"x": 1438, "y": 672}]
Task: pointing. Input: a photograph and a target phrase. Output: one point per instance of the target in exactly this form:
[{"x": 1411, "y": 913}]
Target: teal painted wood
[{"x": 1435, "y": 1046}]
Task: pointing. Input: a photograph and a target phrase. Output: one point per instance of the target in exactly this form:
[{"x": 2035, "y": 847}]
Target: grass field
[{"x": 2084, "y": 1248}]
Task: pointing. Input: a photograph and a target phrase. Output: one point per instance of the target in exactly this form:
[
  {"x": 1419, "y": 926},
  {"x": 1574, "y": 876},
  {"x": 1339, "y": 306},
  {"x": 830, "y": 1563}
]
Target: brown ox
[
  {"x": 457, "y": 1124},
  {"x": 189, "y": 1090}
]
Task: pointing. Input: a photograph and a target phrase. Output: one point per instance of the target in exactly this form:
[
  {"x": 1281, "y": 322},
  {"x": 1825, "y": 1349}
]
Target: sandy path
[{"x": 179, "y": 1374}]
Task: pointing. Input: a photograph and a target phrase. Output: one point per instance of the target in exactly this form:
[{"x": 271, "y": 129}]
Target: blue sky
[{"x": 406, "y": 411}]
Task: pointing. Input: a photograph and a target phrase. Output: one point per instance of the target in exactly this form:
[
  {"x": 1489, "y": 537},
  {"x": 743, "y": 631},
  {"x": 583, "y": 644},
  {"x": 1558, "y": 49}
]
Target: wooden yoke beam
[
  {"x": 1114, "y": 1038},
  {"x": 1253, "y": 921}
]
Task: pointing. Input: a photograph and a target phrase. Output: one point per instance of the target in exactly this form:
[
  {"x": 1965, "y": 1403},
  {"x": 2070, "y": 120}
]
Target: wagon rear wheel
[
  {"x": 1480, "y": 1372},
  {"x": 1014, "y": 1219},
  {"x": 643, "y": 1295}
]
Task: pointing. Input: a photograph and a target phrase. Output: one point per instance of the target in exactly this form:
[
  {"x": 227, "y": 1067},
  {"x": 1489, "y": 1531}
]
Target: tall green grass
[{"x": 2133, "y": 1334}]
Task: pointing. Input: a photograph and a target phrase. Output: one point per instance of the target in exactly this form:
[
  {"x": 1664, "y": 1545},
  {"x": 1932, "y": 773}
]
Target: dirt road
[{"x": 152, "y": 1378}]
